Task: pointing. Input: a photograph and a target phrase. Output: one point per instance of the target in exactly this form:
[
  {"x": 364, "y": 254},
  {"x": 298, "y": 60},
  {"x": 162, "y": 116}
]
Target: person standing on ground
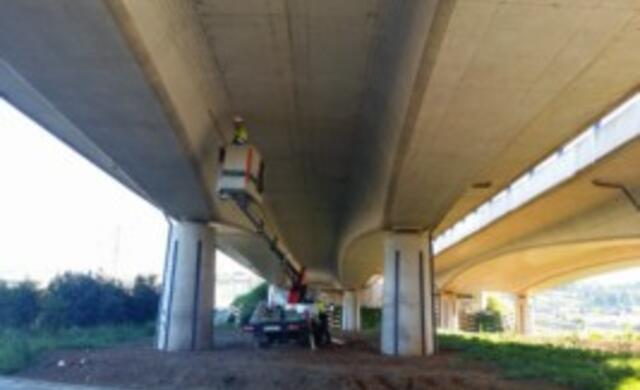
[{"x": 323, "y": 335}]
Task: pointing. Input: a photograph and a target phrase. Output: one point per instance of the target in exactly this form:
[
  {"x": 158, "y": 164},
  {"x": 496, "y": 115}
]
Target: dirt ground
[{"x": 236, "y": 364}]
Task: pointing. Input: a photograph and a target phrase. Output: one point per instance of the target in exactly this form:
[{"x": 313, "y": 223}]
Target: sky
[{"x": 61, "y": 213}]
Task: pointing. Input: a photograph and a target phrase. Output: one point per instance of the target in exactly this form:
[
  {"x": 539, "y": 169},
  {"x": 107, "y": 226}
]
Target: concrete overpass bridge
[
  {"x": 382, "y": 123},
  {"x": 586, "y": 225}
]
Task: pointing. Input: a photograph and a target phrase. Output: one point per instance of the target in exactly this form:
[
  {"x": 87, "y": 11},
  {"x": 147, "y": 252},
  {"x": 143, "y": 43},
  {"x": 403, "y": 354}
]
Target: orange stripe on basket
[{"x": 247, "y": 167}]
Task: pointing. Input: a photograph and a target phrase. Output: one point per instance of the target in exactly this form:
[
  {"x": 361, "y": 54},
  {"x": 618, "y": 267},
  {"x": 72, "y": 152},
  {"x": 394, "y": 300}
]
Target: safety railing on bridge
[{"x": 605, "y": 136}]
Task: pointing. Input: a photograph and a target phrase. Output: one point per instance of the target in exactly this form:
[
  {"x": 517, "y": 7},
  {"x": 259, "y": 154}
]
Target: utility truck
[
  {"x": 281, "y": 325},
  {"x": 241, "y": 180}
]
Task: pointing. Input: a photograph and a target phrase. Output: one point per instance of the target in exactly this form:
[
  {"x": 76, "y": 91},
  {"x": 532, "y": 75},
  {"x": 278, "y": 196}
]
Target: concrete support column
[
  {"x": 350, "y": 311},
  {"x": 478, "y": 301},
  {"x": 185, "y": 317},
  {"x": 408, "y": 327},
  {"x": 524, "y": 317},
  {"x": 449, "y": 311}
]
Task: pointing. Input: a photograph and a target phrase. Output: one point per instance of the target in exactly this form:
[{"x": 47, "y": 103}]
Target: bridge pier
[
  {"x": 184, "y": 320},
  {"x": 408, "y": 311},
  {"x": 350, "y": 311},
  {"x": 524, "y": 315},
  {"x": 449, "y": 311}
]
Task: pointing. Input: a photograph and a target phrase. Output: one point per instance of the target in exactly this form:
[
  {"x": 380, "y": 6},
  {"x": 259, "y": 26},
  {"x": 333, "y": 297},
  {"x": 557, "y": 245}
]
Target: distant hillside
[
  {"x": 598, "y": 297},
  {"x": 589, "y": 305}
]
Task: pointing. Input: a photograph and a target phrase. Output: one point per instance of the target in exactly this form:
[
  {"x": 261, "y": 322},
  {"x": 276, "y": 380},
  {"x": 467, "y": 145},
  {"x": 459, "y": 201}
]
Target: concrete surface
[
  {"x": 523, "y": 315},
  {"x": 372, "y": 115},
  {"x": 574, "y": 231},
  {"x": 511, "y": 81},
  {"x": 188, "y": 289},
  {"x": 408, "y": 314},
  {"x": 448, "y": 311},
  {"x": 351, "y": 320}
]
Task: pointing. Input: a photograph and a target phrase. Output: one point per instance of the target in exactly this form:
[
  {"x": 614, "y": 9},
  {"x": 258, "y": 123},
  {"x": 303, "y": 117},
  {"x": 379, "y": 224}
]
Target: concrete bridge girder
[
  {"x": 199, "y": 74},
  {"x": 533, "y": 269},
  {"x": 575, "y": 218},
  {"x": 149, "y": 88}
]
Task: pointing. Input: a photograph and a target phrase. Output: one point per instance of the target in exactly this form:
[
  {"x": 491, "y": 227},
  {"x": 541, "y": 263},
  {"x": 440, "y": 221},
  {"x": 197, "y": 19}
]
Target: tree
[
  {"x": 84, "y": 300},
  {"x": 26, "y": 304},
  {"x": 113, "y": 302},
  {"x": 78, "y": 300},
  {"x": 72, "y": 300},
  {"x": 248, "y": 302},
  {"x": 144, "y": 299},
  {"x": 19, "y": 304},
  {"x": 490, "y": 319}
]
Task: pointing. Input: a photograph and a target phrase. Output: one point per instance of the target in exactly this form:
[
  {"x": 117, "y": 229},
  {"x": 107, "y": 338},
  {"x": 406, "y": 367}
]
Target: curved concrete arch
[
  {"x": 362, "y": 259},
  {"x": 321, "y": 279},
  {"x": 583, "y": 273},
  {"x": 373, "y": 279},
  {"x": 443, "y": 276},
  {"x": 522, "y": 269}
]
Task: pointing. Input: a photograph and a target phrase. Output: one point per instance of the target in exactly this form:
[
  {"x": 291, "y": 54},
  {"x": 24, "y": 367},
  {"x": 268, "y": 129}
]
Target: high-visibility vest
[{"x": 241, "y": 135}]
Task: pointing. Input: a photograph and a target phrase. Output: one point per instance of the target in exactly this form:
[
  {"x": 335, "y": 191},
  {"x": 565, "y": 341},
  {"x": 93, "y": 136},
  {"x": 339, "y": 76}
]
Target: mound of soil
[{"x": 236, "y": 364}]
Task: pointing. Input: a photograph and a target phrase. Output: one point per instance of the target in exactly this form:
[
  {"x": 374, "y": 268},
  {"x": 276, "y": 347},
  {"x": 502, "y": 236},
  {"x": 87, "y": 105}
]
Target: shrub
[
  {"x": 143, "y": 302},
  {"x": 490, "y": 319},
  {"x": 81, "y": 300},
  {"x": 371, "y": 317},
  {"x": 91, "y": 308},
  {"x": 19, "y": 305},
  {"x": 14, "y": 351},
  {"x": 84, "y": 300}
]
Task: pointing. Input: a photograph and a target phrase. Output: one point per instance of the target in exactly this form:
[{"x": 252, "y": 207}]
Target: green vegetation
[
  {"x": 85, "y": 300},
  {"x": 576, "y": 368},
  {"x": 19, "y": 304},
  {"x": 588, "y": 305},
  {"x": 20, "y": 347},
  {"x": 248, "y": 302},
  {"x": 590, "y": 296},
  {"x": 490, "y": 319},
  {"x": 370, "y": 317},
  {"x": 77, "y": 300},
  {"x": 73, "y": 311}
]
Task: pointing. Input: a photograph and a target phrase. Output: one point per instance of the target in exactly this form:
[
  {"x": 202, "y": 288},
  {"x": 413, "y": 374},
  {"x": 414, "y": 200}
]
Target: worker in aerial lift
[{"x": 240, "y": 133}]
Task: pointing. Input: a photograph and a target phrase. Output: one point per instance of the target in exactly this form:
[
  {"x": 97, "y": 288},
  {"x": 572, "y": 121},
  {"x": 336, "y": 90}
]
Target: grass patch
[
  {"x": 19, "y": 347},
  {"x": 576, "y": 368}
]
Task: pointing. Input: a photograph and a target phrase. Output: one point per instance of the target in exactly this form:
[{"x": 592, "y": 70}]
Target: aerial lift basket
[{"x": 242, "y": 173}]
